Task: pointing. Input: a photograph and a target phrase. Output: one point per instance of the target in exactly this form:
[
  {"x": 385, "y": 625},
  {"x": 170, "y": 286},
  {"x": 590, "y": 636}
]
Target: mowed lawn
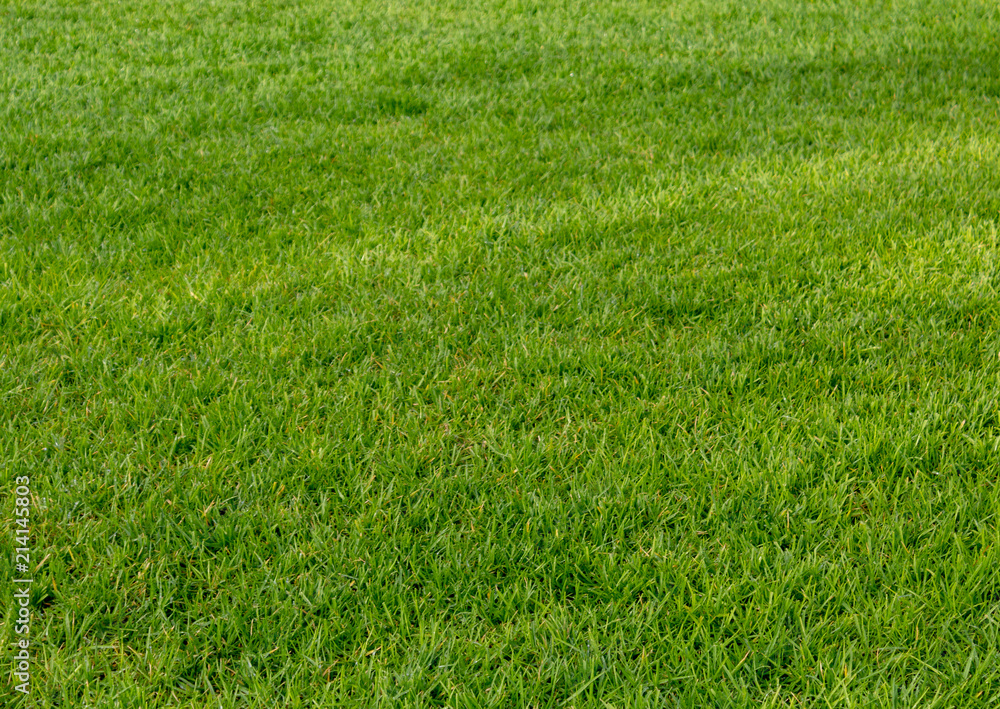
[{"x": 512, "y": 353}]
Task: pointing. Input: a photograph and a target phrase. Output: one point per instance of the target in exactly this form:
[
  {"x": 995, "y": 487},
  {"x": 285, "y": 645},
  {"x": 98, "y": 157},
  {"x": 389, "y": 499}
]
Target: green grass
[{"x": 503, "y": 354}]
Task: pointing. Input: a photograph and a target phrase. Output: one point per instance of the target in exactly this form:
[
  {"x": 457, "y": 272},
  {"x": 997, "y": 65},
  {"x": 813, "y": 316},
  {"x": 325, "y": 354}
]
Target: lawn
[{"x": 506, "y": 353}]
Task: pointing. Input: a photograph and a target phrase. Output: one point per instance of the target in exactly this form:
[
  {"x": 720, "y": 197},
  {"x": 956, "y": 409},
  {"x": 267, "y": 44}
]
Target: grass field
[{"x": 502, "y": 353}]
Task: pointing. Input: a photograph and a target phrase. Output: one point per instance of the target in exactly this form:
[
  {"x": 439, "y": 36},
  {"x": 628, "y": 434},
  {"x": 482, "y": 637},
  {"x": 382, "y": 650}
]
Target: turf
[{"x": 503, "y": 353}]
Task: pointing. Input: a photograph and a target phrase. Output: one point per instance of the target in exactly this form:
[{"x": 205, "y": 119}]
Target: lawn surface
[{"x": 495, "y": 354}]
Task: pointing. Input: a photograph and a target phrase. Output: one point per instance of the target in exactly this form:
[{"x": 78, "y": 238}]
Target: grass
[{"x": 503, "y": 354}]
